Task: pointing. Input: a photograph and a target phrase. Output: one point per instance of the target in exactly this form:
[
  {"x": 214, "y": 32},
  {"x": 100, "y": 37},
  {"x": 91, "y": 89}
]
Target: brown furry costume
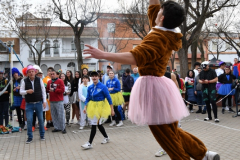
[{"x": 152, "y": 56}]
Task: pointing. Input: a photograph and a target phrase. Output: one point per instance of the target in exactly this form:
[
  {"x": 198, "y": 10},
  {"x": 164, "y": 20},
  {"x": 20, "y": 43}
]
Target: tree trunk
[
  {"x": 79, "y": 52},
  {"x": 194, "y": 53},
  {"x": 183, "y": 58}
]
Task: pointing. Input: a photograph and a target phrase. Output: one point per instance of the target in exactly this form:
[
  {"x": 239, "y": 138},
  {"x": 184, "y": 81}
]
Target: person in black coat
[{"x": 226, "y": 79}]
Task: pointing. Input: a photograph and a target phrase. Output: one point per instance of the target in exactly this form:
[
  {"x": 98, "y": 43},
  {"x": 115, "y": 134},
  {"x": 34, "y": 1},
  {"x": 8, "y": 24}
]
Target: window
[
  {"x": 214, "y": 46},
  {"x": 228, "y": 47},
  {"x": 71, "y": 64},
  {"x": 47, "y": 47},
  {"x": 44, "y": 69},
  {"x": 112, "y": 48},
  {"x": 73, "y": 47},
  {"x": 57, "y": 67},
  {"x": 38, "y": 46},
  {"x": 3, "y": 48},
  {"x": 56, "y": 47},
  {"x": 111, "y": 27}
]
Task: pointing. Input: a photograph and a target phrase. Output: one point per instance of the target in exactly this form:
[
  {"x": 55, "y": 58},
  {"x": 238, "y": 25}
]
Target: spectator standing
[
  {"x": 135, "y": 74},
  {"x": 189, "y": 83},
  {"x": 17, "y": 98},
  {"x": 226, "y": 80},
  {"x": 35, "y": 96},
  {"x": 220, "y": 71},
  {"x": 55, "y": 88},
  {"x": 4, "y": 99},
  {"x": 208, "y": 79},
  {"x": 198, "y": 93},
  {"x": 105, "y": 77},
  {"x": 235, "y": 68},
  {"x": 114, "y": 88},
  {"x": 196, "y": 66},
  {"x": 66, "y": 103},
  {"x": 127, "y": 84}
]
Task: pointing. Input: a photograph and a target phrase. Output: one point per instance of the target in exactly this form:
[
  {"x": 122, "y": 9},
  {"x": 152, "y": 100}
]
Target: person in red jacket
[{"x": 55, "y": 88}]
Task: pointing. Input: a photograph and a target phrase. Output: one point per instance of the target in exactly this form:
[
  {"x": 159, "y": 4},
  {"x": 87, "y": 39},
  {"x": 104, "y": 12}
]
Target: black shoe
[
  {"x": 64, "y": 131},
  {"x": 42, "y": 138},
  {"x": 207, "y": 119},
  {"x": 231, "y": 110},
  {"x": 51, "y": 124},
  {"x": 223, "y": 110},
  {"x": 55, "y": 130},
  {"x": 48, "y": 125},
  {"x": 204, "y": 112},
  {"x": 29, "y": 140},
  {"x": 199, "y": 111}
]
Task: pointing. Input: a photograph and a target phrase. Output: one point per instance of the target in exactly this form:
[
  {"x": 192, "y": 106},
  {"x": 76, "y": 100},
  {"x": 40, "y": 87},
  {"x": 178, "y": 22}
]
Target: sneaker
[
  {"x": 223, "y": 110},
  {"x": 113, "y": 123},
  {"x": 33, "y": 129},
  {"x": 25, "y": 127},
  {"x": 105, "y": 140},
  {"x": 231, "y": 110},
  {"x": 217, "y": 120},
  {"x": 204, "y": 112},
  {"x": 211, "y": 156},
  {"x": 81, "y": 128},
  {"x": 45, "y": 128},
  {"x": 64, "y": 131},
  {"x": 87, "y": 145},
  {"x": 226, "y": 108},
  {"x": 120, "y": 124},
  {"x": 42, "y": 138},
  {"x": 199, "y": 111},
  {"x": 71, "y": 122},
  {"x": 55, "y": 130},
  {"x": 160, "y": 153},
  {"x": 29, "y": 140},
  {"x": 48, "y": 125},
  {"x": 192, "y": 111},
  {"x": 207, "y": 119}
]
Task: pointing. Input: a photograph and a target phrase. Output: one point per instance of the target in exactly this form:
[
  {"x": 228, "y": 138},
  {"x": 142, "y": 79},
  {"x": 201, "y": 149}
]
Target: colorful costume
[
  {"x": 48, "y": 113},
  {"x": 151, "y": 99},
  {"x": 82, "y": 94},
  {"x": 97, "y": 101}
]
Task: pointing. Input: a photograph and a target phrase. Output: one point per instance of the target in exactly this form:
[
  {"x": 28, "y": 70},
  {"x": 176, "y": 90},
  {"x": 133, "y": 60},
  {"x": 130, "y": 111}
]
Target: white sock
[{"x": 25, "y": 122}]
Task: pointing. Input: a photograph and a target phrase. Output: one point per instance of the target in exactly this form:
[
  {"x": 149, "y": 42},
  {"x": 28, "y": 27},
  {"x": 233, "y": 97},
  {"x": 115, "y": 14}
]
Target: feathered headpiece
[
  {"x": 24, "y": 71},
  {"x": 15, "y": 70}
]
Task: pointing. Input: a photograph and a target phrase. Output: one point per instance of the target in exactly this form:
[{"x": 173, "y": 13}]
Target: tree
[
  {"x": 34, "y": 29},
  {"x": 78, "y": 14}
]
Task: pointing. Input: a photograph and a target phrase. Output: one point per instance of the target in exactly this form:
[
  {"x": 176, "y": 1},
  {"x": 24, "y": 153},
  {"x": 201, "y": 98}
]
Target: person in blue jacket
[
  {"x": 98, "y": 106},
  {"x": 114, "y": 88},
  {"x": 135, "y": 74}
]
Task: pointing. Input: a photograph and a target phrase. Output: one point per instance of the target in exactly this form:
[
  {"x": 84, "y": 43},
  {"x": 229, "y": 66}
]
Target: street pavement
[{"x": 129, "y": 142}]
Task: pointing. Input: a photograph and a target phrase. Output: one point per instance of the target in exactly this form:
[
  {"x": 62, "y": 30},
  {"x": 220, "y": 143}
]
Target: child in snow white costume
[
  {"x": 151, "y": 99},
  {"x": 98, "y": 106}
]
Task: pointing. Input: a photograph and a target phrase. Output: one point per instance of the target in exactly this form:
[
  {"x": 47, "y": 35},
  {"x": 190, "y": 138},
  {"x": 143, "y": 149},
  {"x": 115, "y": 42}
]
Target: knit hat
[
  {"x": 15, "y": 70},
  {"x": 221, "y": 63},
  {"x": 204, "y": 64},
  {"x": 30, "y": 67}
]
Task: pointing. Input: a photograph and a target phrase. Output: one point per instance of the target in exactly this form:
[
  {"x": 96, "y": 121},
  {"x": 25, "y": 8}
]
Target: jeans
[
  {"x": 4, "y": 111},
  {"x": 38, "y": 107},
  {"x": 200, "y": 101}
]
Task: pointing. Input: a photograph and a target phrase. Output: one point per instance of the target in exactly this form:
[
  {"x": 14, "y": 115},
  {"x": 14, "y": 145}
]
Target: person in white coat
[{"x": 82, "y": 94}]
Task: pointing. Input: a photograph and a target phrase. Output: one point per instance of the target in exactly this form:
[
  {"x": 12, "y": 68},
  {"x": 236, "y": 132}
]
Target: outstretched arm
[
  {"x": 124, "y": 58},
  {"x": 153, "y": 2}
]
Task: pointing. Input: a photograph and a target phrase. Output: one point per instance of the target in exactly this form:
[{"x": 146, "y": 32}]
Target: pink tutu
[{"x": 156, "y": 101}]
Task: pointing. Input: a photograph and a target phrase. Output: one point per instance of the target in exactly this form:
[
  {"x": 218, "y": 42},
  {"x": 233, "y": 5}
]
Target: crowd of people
[
  {"x": 45, "y": 101},
  {"x": 203, "y": 84}
]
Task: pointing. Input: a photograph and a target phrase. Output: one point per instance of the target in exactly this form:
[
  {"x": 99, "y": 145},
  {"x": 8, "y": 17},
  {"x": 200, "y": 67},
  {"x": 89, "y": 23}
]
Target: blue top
[
  {"x": 235, "y": 71},
  {"x": 135, "y": 76},
  {"x": 115, "y": 84},
  {"x": 105, "y": 78},
  {"x": 98, "y": 92}
]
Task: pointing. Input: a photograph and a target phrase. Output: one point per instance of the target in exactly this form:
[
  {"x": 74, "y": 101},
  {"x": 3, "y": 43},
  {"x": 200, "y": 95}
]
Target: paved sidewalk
[{"x": 129, "y": 142}]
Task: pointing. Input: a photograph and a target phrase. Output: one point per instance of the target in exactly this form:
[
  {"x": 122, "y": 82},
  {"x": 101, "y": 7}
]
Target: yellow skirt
[
  {"x": 117, "y": 99},
  {"x": 98, "y": 109}
]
